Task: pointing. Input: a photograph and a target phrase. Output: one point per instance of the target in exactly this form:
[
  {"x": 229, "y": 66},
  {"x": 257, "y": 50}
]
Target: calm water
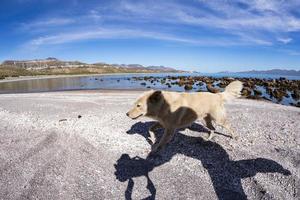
[{"x": 123, "y": 81}]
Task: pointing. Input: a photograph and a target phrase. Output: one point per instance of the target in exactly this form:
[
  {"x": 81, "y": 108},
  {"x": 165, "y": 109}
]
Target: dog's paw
[
  {"x": 150, "y": 140},
  {"x": 209, "y": 137}
]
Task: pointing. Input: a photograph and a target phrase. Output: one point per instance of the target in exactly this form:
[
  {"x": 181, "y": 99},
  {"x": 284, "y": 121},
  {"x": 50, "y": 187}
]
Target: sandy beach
[{"x": 81, "y": 145}]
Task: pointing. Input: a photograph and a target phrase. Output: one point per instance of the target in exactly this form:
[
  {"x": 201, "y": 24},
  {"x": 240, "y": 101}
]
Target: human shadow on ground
[{"x": 225, "y": 174}]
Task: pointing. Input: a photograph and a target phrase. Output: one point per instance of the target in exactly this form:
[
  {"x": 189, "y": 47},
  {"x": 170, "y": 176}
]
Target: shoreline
[
  {"x": 123, "y": 91},
  {"x": 37, "y": 77},
  {"x": 25, "y": 78},
  {"x": 81, "y": 91}
]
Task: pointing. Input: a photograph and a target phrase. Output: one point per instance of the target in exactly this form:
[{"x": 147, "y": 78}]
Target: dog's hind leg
[
  {"x": 208, "y": 121},
  {"x": 225, "y": 125},
  {"x": 220, "y": 119}
]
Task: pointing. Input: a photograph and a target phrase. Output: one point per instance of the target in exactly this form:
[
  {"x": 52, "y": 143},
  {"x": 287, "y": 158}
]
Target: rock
[
  {"x": 208, "y": 80},
  {"x": 295, "y": 104},
  {"x": 279, "y": 94},
  {"x": 211, "y": 89},
  {"x": 266, "y": 84},
  {"x": 248, "y": 83},
  {"x": 257, "y": 92},
  {"x": 200, "y": 83},
  {"x": 265, "y": 98},
  {"x": 282, "y": 78},
  {"x": 188, "y": 87},
  {"x": 254, "y": 97},
  {"x": 229, "y": 79},
  {"x": 222, "y": 84},
  {"x": 246, "y": 91},
  {"x": 296, "y": 94},
  {"x": 269, "y": 91},
  {"x": 181, "y": 82}
]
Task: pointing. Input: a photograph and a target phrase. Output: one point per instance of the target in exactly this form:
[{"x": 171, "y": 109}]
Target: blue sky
[{"x": 202, "y": 35}]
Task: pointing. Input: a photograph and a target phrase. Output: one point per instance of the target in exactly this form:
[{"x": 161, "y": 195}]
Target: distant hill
[
  {"x": 282, "y": 72},
  {"x": 275, "y": 72},
  {"x": 161, "y": 68},
  {"x": 54, "y": 66},
  {"x": 42, "y": 63},
  {"x": 56, "y": 63}
]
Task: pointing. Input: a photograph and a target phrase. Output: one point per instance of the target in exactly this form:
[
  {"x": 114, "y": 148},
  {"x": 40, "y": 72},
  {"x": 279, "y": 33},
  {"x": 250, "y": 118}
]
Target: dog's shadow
[{"x": 225, "y": 174}]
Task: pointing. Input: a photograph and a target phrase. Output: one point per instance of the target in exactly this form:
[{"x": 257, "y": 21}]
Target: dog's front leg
[
  {"x": 153, "y": 128},
  {"x": 167, "y": 136}
]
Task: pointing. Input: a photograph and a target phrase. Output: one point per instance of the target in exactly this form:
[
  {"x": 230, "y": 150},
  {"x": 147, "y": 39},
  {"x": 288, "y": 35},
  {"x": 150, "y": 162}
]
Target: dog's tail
[{"x": 232, "y": 91}]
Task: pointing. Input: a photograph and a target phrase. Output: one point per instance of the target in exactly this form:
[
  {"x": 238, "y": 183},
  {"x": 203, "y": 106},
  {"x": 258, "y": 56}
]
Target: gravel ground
[{"x": 81, "y": 145}]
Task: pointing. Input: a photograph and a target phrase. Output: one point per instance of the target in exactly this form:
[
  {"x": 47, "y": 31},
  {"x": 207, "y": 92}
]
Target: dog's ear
[{"x": 155, "y": 96}]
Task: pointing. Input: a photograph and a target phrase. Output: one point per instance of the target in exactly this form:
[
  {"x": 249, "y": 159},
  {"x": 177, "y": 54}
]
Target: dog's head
[{"x": 147, "y": 105}]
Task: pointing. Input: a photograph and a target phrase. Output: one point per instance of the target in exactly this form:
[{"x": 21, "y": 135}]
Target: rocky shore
[
  {"x": 281, "y": 90},
  {"x": 275, "y": 90}
]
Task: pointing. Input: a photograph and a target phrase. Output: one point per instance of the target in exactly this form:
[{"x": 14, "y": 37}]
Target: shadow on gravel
[{"x": 225, "y": 174}]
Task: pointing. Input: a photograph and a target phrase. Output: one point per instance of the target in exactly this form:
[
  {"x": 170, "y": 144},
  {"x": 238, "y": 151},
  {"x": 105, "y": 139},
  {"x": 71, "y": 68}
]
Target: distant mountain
[
  {"x": 162, "y": 68},
  {"x": 53, "y": 63},
  {"x": 275, "y": 72},
  {"x": 269, "y": 72},
  {"x": 141, "y": 67},
  {"x": 42, "y": 63},
  {"x": 130, "y": 66}
]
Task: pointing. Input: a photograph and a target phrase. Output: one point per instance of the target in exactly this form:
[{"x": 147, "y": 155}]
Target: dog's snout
[{"x": 127, "y": 114}]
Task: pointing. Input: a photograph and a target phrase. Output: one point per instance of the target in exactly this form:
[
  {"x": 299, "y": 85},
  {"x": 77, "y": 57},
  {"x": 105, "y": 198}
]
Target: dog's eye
[{"x": 138, "y": 105}]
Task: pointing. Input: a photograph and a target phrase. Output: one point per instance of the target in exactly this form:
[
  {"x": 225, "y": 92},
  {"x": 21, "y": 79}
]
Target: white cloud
[
  {"x": 256, "y": 16},
  {"x": 93, "y": 14},
  {"x": 49, "y": 22},
  {"x": 239, "y": 22},
  {"x": 108, "y": 33},
  {"x": 285, "y": 40}
]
